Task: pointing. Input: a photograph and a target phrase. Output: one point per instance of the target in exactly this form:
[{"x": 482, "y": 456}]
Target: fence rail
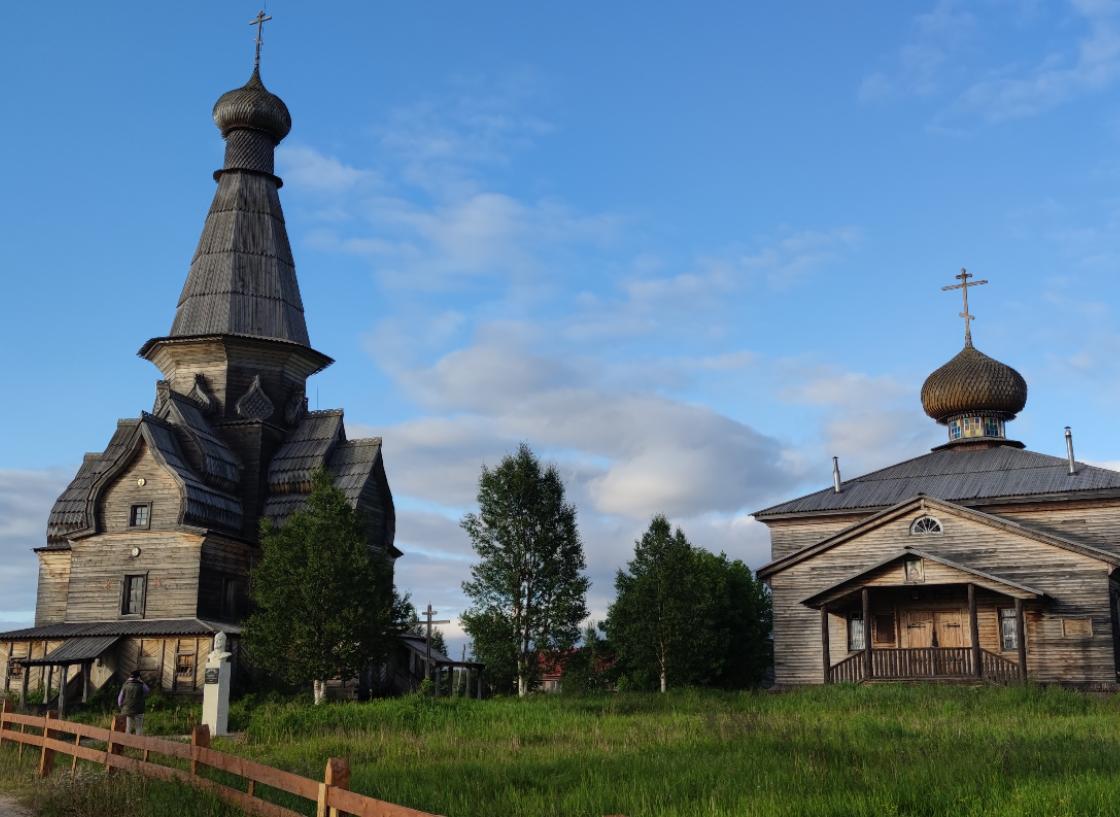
[{"x": 53, "y": 737}]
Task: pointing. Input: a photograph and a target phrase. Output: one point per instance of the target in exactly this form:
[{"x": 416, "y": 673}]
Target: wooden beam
[
  {"x": 826, "y": 655},
  {"x": 87, "y": 681},
  {"x": 23, "y": 682},
  {"x": 1021, "y": 632},
  {"x": 867, "y": 665},
  {"x": 63, "y": 677},
  {"x": 974, "y": 632}
]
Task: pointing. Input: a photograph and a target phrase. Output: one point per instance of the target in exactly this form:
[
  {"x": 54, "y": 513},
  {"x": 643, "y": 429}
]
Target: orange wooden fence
[{"x": 53, "y": 737}]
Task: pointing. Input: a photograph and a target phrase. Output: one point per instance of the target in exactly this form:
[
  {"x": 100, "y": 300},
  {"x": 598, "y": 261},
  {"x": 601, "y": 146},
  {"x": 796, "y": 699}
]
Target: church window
[
  {"x": 955, "y": 429},
  {"x": 883, "y": 631},
  {"x": 140, "y": 516},
  {"x": 856, "y": 640},
  {"x": 1008, "y": 629},
  {"x": 925, "y": 526},
  {"x": 15, "y": 669},
  {"x": 132, "y": 595}
]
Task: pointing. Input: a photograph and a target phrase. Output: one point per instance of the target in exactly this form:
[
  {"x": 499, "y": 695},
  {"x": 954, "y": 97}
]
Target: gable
[
  {"x": 963, "y": 527},
  {"x": 160, "y": 490}
]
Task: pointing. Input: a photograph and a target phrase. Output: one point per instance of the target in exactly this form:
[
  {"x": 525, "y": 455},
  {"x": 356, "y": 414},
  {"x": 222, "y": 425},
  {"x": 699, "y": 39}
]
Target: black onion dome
[
  {"x": 973, "y": 383},
  {"x": 254, "y": 107}
]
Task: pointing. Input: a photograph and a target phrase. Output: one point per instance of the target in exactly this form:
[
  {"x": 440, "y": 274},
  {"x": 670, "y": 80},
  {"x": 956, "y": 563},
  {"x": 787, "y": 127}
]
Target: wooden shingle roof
[
  {"x": 242, "y": 280},
  {"x": 976, "y": 476}
]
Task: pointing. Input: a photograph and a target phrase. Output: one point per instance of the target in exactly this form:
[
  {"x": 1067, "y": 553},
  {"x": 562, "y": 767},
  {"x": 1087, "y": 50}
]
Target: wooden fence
[{"x": 53, "y": 737}]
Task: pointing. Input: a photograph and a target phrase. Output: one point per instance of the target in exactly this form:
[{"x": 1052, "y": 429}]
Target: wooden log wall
[
  {"x": 159, "y": 488},
  {"x": 790, "y": 535},
  {"x": 1077, "y": 584},
  {"x": 170, "y": 560},
  {"x": 54, "y": 585}
]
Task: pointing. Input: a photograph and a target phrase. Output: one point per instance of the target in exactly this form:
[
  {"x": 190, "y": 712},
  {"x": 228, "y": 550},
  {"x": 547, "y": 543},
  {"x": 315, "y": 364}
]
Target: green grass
[{"x": 882, "y": 750}]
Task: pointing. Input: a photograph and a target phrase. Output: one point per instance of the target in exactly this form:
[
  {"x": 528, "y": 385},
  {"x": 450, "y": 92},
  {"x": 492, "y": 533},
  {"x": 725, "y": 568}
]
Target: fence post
[
  {"x": 200, "y": 738},
  {"x": 46, "y": 756},
  {"x": 116, "y": 724},
  {"x": 336, "y": 776},
  {"x": 5, "y": 707}
]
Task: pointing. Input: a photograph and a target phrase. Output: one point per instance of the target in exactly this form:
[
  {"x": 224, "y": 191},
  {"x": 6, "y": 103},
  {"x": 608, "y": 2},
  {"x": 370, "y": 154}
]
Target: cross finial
[
  {"x": 259, "y": 22},
  {"x": 963, "y": 287}
]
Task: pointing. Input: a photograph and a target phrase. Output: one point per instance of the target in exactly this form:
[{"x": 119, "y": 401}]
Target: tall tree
[
  {"x": 650, "y": 622},
  {"x": 528, "y": 589},
  {"x": 686, "y": 616},
  {"x": 324, "y": 602}
]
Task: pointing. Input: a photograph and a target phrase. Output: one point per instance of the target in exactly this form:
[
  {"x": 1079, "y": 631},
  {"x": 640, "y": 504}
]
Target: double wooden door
[{"x": 935, "y": 628}]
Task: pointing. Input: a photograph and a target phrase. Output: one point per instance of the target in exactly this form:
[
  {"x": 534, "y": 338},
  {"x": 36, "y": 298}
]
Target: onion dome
[
  {"x": 253, "y": 107},
  {"x": 974, "y": 384}
]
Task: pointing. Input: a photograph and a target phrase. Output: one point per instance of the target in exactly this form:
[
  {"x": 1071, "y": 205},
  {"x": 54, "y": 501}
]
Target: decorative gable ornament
[
  {"x": 201, "y": 394},
  {"x": 163, "y": 389},
  {"x": 254, "y": 404}
]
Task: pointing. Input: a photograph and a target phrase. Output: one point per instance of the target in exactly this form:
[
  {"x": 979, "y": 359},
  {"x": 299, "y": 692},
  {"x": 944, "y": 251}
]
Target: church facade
[
  {"x": 978, "y": 561},
  {"x": 148, "y": 551}
]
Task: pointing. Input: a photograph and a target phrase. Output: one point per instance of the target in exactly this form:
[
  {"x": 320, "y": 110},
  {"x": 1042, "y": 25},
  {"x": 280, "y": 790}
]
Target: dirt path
[{"x": 10, "y": 808}]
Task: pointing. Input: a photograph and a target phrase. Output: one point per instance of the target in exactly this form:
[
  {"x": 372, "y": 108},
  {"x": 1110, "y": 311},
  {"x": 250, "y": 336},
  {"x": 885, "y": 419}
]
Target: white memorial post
[{"x": 215, "y": 692}]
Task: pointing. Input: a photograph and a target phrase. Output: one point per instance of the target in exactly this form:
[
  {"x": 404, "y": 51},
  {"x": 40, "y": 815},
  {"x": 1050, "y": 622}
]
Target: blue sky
[{"x": 687, "y": 251}]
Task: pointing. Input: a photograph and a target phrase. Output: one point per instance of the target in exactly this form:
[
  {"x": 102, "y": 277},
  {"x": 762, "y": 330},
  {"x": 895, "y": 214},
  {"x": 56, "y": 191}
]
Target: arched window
[{"x": 924, "y": 526}]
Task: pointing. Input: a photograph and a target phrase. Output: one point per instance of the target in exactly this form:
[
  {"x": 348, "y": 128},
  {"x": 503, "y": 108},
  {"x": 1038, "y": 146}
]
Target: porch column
[
  {"x": 8, "y": 667},
  {"x": 974, "y": 632},
  {"x": 49, "y": 670},
  {"x": 1021, "y": 632},
  {"x": 826, "y": 655},
  {"x": 63, "y": 673},
  {"x": 866, "y": 593},
  {"x": 23, "y": 684},
  {"x": 87, "y": 681}
]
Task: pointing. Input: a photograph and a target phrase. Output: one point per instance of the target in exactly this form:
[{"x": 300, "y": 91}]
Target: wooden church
[
  {"x": 148, "y": 550},
  {"x": 979, "y": 561}
]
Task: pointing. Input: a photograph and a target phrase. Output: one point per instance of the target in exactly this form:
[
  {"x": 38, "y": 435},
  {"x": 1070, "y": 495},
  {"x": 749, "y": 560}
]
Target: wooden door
[
  {"x": 917, "y": 628},
  {"x": 949, "y": 625}
]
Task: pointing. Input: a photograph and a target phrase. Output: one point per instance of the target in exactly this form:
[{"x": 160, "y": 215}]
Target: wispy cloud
[{"x": 26, "y": 497}]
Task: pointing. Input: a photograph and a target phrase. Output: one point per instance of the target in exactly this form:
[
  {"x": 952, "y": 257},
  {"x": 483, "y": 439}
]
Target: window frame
[
  {"x": 1077, "y": 636},
  {"x": 147, "y": 514},
  {"x": 126, "y": 582},
  {"x": 853, "y": 617},
  {"x": 914, "y": 526},
  {"x": 876, "y": 630},
  {"x": 1008, "y": 614}
]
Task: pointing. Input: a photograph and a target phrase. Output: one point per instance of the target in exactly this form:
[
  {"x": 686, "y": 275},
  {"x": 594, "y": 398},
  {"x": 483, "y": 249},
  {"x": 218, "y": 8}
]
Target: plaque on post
[{"x": 215, "y": 692}]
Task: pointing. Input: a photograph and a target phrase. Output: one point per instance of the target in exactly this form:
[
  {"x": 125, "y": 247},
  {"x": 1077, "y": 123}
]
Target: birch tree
[{"x": 528, "y": 584}]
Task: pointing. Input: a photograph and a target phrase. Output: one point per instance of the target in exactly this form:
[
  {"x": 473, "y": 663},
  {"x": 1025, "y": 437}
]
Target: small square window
[
  {"x": 132, "y": 595},
  {"x": 140, "y": 516}
]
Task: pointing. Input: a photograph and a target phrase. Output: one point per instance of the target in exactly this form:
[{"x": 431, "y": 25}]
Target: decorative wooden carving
[
  {"x": 163, "y": 389},
  {"x": 254, "y": 404},
  {"x": 201, "y": 394}
]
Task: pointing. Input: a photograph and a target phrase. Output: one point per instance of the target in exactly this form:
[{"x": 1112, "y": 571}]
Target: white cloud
[
  {"x": 306, "y": 167},
  {"x": 26, "y": 497}
]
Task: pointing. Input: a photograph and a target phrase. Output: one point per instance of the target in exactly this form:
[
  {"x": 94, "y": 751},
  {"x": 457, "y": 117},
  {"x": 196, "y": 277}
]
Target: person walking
[{"x": 131, "y": 703}]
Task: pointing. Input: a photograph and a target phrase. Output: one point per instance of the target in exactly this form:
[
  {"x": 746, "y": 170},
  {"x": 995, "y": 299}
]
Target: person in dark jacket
[{"x": 131, "y": 703}]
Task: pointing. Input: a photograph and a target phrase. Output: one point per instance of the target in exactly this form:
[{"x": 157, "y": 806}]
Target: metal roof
[
  {"x": 961, "y": 475},
  {"x": 75, "y": 651},
  {"x": 124, "y": 627}
]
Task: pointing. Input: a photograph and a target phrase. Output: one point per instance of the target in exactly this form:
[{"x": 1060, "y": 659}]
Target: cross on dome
[
  {"x": 963, "y": 287},
  {"x": 259, "y": 22}
]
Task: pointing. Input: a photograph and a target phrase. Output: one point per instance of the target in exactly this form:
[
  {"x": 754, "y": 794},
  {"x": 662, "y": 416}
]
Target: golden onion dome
[{"x": 973, "y": 383}]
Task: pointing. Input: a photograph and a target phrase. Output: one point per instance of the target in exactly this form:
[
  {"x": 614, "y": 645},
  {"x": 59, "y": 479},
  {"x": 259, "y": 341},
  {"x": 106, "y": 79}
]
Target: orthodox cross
[
  {"x": 429, "y": 621},
  {"x": 963, "y": 287},
  {"x": 259, "y": 22}
]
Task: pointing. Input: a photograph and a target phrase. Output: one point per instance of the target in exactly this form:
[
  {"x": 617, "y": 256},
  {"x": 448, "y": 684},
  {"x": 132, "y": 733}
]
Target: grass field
[{"x": 882, "y": 750}]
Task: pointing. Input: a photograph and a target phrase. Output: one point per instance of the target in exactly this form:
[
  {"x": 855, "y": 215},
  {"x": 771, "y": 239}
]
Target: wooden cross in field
[
  {"x": 259, "y": 22},
  {"x": 429, "y": 621},
  {"x": 963, "y": 287}
]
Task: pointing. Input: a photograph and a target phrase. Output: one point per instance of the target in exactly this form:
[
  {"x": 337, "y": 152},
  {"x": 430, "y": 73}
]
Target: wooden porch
[{"x": 968, "y": 662}]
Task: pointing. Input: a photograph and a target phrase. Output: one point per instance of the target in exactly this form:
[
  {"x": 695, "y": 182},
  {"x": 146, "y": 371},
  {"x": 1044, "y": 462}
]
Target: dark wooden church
[
  {"x": 977, "y": 561},
  {"x": 148, "y": 550}
]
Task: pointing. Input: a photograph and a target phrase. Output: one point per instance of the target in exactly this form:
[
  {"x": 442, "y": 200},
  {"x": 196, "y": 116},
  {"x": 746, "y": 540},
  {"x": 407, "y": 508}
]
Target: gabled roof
[
  {"x": 925, "y": 502},
  {"x": 70, "y": 512},
  {"x": 1006, "y": 586},
  {"x": 204, "y": 505},
  {"x": 217, "y": 460},
  {"x": 308, "y": 447},
  {"x": 972, "y": 476}
]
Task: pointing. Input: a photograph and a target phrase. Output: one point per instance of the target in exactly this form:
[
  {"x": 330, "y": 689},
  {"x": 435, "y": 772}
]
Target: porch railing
[{"x": 918, "y": 663}]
